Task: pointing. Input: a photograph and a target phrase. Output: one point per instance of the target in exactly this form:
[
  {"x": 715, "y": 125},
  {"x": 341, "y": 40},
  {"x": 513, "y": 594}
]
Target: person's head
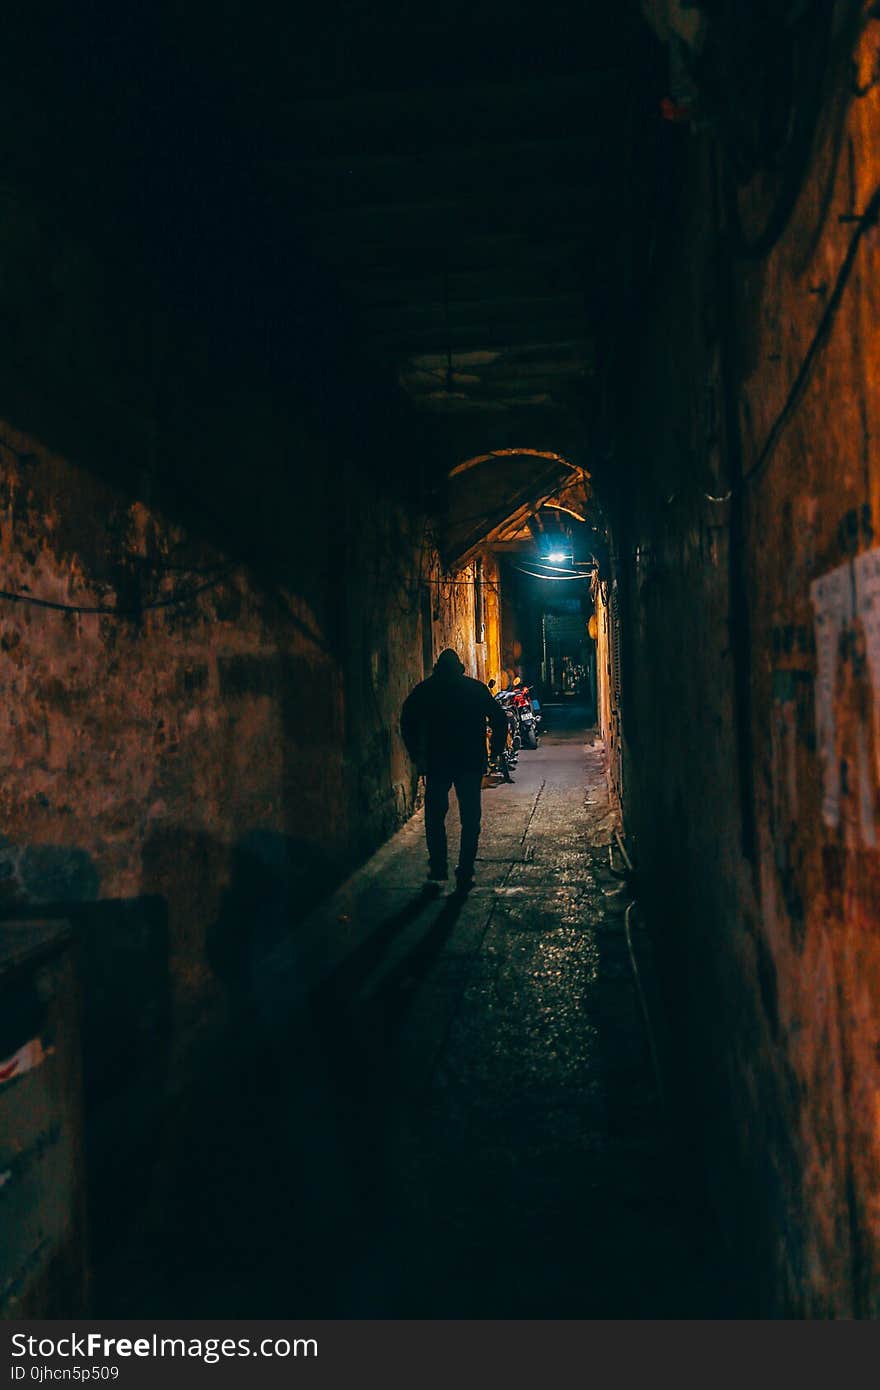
[{"x": 448, "y": 665}]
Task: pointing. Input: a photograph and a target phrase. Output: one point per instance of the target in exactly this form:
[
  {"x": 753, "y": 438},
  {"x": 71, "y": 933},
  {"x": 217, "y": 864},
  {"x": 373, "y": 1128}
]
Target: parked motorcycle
[
  {"x": 507, "y": 699},
  {"x": 527, "y": 716},
  {"x": 504, "y": 762}
]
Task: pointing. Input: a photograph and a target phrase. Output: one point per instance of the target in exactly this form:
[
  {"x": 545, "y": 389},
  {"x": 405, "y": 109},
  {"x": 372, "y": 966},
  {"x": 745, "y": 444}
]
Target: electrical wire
[
  {"x": 465, "y": 583},
  {"x": 572, "y": 567},
  {"x": 555, "y": 578},
  {"x": 650, "y": 1033},
  {"x": 653, "y": 1049},
  {"x": 106, "y": 610},
  {"x": 867, "y": 220}
]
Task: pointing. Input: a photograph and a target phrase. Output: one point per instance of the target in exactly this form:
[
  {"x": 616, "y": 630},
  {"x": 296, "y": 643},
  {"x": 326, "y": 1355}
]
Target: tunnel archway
[
  {"x": 530, "y": 511},
  {"x": 491, "y": 499}
]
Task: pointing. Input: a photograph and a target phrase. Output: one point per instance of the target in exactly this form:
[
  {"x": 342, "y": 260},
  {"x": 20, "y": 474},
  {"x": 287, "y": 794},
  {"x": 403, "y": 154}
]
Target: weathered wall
[
  {"x": 608, "y": 712},
  {"x": 454, "y": 618},
  {"x": 224, "y": 752},
  {"x": 183, "y": 781},
  {"x": 163, "y": 428},
  {"x": 188, "y": 777},
  {"x": 751, "y": 680},
  {"x": 186, "y": 770}
]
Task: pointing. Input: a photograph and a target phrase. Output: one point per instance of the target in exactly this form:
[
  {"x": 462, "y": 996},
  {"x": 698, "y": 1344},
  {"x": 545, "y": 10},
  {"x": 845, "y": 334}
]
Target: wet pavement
[{"x": 451, "y": 1111}]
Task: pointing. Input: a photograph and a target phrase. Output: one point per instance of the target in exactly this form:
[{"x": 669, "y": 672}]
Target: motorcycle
[
  {"x": 504, "y": 761},
  {"x": 507, "y": 701},
  {"x": 536, "y": 707},
  {"x": 529, "y": 718}
]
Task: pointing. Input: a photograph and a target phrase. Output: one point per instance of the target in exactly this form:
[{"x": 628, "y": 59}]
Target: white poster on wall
[
  {"x": 867, "y": 572},
  {"x": 832, "y": 599}
]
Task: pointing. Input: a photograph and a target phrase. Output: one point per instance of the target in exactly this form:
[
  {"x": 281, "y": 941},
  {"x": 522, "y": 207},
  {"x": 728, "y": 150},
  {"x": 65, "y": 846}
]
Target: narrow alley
[
  {"x": 487, "y": 1138},
  {"x": 387, "y": 392}
]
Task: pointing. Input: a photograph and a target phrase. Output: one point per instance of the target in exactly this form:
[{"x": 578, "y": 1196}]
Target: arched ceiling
[{"x": 492, "y": 499}]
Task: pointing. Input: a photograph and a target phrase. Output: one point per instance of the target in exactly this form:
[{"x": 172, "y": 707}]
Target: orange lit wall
[{"x": 752, "y": 705}]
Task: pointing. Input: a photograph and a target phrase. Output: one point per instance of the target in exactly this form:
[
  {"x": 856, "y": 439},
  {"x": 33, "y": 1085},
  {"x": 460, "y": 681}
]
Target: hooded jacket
[{"x": 443, "y": 723}]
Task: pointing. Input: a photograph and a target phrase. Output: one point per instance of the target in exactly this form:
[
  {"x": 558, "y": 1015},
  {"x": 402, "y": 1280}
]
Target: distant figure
[{"x": 443, "y": 723}]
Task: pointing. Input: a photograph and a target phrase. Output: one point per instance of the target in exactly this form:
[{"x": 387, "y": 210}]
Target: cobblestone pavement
[{"x": 456, "y": 1115}]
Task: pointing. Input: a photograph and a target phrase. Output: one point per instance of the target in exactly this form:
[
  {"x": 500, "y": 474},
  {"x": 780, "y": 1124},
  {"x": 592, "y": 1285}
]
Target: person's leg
[
  {"x": 436, "y": 805},
  {"x": 469, "y": 790}
]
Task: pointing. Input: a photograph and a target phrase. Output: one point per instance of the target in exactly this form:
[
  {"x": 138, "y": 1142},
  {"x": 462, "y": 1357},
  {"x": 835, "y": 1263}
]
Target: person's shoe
[
  {"x": 464, "y": 882},
  {"x": 435, "y": 881}
]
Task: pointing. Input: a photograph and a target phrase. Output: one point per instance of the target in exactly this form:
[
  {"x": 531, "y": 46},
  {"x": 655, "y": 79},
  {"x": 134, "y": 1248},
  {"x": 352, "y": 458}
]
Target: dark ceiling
[
  {"x": 430, "y": 207},
  {"x": 461, "y": 173}
]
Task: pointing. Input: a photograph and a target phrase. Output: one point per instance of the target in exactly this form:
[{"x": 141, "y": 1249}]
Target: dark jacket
[{"x": 443, "y": 723}]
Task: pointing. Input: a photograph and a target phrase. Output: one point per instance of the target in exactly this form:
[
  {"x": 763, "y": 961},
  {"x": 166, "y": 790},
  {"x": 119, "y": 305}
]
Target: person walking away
[{"x": 443, "y": 723}]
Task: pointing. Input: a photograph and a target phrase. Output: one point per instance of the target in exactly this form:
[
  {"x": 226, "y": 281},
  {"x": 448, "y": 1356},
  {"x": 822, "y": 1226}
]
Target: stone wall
[
  {"x": 196, "y": 737},
  {"x": 196, "y": 748},
  {"x": 747, "y": 572}
]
